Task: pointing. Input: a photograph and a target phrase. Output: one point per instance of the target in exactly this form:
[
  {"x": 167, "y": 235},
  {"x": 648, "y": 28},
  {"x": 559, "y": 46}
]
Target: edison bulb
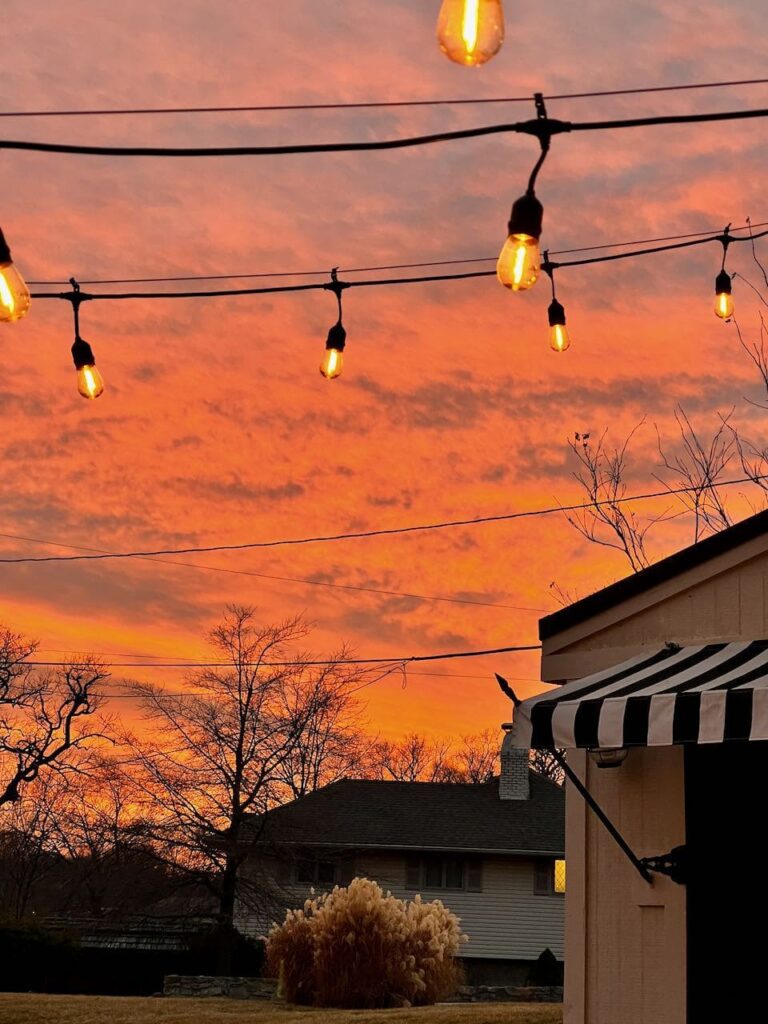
[
  {"x": 90, "y": 383},
  {"x": 724, "y": 305},
  {"x": 519, "y": 262},
  {"x": 470, "y": 32},
  {"x": 14, "y": 294},
  {"x": 332, "y": 364},
  {"x": 559, "y": 339}
]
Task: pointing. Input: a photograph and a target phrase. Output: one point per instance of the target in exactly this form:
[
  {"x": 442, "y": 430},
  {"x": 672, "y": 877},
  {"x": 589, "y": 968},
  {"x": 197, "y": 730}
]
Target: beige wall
[
  {"x": 724, "y": 600},
  {"x": 625, "y": 939}
]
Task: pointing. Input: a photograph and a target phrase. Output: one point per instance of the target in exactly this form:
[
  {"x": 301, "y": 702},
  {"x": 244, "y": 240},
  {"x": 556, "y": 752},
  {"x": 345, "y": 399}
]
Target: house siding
[{"x": 505, "y": 921}]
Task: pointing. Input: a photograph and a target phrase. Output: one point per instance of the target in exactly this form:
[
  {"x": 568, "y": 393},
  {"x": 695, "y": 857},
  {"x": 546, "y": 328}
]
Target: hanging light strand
[
  {"x": 519, "y": 260},
  {"x": 333, "y": 361},
  {"x": 723, "y": 286},
  {"x": 559, "y": 339},
  {"x": 89, "y": 381}
]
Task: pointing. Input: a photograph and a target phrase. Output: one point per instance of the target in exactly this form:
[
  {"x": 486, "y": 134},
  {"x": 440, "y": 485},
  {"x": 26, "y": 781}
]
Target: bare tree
[
  {"x": 209, "y": 765},
  {"x": 413, "y": 759},
  {"x": 543, "y": 762},
  {"x": 332, "y": 745},
  {"x": 417, "y": 759},
  {"x": 697, "y": 467},
  {"x": 109, "y": 869},
  {"x": 27, "y": 844},
  {"x": 44, "y": 717},
  {"x": 477, "y": 758},
  {"x": 607, "y": 520}
]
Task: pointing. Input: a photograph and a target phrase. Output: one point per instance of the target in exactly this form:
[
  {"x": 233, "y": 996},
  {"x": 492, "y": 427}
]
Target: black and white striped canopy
[{"x": 704, "y": 694}]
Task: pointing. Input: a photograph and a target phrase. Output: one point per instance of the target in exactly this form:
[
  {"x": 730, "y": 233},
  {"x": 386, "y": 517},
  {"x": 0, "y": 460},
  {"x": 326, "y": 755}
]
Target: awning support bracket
[{"x": 642, "y": 866}]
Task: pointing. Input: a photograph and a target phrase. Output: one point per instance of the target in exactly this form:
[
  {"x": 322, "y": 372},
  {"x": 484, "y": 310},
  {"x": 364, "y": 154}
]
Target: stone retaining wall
[
  {"x": 508, "y": 994},
  {"x": 231, "y": 988},
  {"x": 198, "y": 986}
]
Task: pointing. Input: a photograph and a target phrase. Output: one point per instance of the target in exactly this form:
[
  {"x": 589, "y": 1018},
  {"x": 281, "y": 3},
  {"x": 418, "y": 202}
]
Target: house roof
[
  {"x": 470, "y": 817},
  {"x": 659, "y": 572}
]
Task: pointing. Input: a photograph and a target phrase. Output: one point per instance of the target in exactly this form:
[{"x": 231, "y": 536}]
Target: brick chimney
[{"x": 514, "y": 781}]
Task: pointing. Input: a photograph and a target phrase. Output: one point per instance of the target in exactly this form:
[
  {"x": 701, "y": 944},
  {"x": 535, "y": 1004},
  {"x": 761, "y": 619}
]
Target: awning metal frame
[{"x": 672, "y": 864}]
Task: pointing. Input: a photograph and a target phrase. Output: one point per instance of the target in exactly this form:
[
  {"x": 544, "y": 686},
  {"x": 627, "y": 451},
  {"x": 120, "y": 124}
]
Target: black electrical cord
[
  {"x": 379, "y": 282},
  {"x": 388, "y": 266},
  {"x": 538, "y": 127}
]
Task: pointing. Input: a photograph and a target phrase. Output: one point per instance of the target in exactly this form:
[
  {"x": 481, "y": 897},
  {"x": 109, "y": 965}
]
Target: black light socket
[
  {"x": 337, "y": 338},
  {"x": 5, "y": 252},
  {"x": 556, "y": 313},
  {"x": 723, "y": 283},
  {"x": 82, "y": 354},
  {"x": 527, "y": 216}
]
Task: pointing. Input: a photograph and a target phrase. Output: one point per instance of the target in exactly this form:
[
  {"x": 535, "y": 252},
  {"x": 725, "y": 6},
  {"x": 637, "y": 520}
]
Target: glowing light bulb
[
  {"x": 333, "y": 361},
  {"x": 90, "y": 383},
  {"x": 723, "y": 297},
  {"x": 14, "y": 294},
  {"x": 470, "y": 32},
  {"x": 559, "y": 339},
  {"x": 519, "y": 262}
]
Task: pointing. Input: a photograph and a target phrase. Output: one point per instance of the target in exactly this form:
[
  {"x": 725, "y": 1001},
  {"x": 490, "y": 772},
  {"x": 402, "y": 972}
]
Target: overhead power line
[
  {"x": 383, "y": 532},
  {"x": 395, "y": 266},
  {"x": 538, "y": 127},
  {"x": 372, "y": 104},
  {"x": 287, "y": 579},
  {"x": 409, "y": 659}
]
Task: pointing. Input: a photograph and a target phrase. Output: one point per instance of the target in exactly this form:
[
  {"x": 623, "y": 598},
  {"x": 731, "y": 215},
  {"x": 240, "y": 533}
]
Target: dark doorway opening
[{"x": 726, "y": 800}]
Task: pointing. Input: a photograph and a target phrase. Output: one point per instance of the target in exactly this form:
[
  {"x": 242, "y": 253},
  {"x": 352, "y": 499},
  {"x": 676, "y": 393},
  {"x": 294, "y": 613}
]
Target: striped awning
[{"x": 705, "y": 694}]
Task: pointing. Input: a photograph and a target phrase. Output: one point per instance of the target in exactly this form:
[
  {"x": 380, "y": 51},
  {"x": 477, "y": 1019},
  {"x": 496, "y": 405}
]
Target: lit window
[
  {"x": 559, "y": 876},
  {"x": 549, "y": 877}
]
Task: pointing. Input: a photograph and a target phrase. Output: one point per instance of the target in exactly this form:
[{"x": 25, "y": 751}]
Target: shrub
[{"x": 362, "y": 948}]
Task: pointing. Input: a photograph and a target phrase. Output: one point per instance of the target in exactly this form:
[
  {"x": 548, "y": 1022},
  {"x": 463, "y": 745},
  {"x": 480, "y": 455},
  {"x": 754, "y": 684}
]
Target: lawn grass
[{"x": 40, "y": 1009}]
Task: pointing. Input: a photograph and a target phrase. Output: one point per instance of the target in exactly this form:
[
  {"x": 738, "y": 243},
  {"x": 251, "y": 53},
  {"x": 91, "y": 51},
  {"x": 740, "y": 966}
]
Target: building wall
[
  {"x": 625, "y": 939},
  {"x": 625, "y": 959},
  {"x": 506, "y": 920},
  {"x": 722, "y": 601}
]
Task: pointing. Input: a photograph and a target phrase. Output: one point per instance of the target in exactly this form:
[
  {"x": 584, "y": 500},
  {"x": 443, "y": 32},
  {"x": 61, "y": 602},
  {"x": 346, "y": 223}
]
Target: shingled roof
[{"x": 467, "y": 817}]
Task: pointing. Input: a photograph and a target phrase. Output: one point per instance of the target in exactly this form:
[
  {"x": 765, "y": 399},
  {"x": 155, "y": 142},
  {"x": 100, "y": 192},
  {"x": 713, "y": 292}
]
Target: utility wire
[
  {"x": 386, "y": 281},
  {"x": 373, "y": 104},
  {"x": 389, "y": 266},
  {"x": 538, "y": 127},
  {"x": 386, "y": 532},
  {"x": 394, "y": 661},
  {"x": 286, "y": 579}
]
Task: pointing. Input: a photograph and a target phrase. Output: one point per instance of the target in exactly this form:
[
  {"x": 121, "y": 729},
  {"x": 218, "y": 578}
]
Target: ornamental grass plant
[{"x": 360, "y": 947}]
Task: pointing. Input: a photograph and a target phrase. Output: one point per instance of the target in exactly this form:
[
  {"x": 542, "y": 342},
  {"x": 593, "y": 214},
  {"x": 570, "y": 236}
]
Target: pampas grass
[{"x": 359, "y": 947}]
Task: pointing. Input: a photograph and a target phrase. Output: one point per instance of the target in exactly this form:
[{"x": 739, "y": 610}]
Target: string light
[
  {"x": 90, "y": 383},
  {"x": 14, "y": 294},
  {"x": 470, "y": 32},
  {"x": 519, "y": 261},
  {"x": 559, "y": 339},
  {"x": 333, "y": 361},
  {"x": 332, "y": 365},
  {"x": 723, "y": 296}
]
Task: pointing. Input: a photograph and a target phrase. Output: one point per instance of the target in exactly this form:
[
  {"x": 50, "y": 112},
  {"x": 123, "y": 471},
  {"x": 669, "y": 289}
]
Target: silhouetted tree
[{"x": 44, "y": 716}]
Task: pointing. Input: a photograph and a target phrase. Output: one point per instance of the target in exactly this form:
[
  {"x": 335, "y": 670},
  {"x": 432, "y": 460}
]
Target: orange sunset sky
[{"x": 216, "y": 426}]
